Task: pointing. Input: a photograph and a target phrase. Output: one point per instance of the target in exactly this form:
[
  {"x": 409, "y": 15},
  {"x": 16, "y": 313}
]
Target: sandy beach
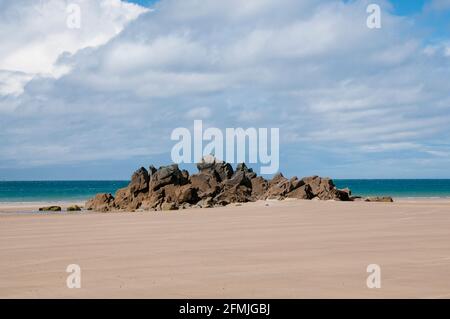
[{"x": 290, "y": 249}]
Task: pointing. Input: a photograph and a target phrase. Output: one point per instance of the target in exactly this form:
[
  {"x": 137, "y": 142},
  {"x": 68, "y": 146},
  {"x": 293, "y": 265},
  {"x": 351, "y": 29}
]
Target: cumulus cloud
[
  {"x": 35, "y": 33},
  {"x": 349, "y": 101}
]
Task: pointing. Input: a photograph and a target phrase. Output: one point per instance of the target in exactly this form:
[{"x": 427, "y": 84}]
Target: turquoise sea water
[
  {"x": 82, "y": 190},
  {"x": 56, "y": 190},
  {"x": 397, "y": 187}
]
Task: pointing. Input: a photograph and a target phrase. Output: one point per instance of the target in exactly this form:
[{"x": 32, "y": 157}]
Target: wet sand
[{"x": 290, "y": 249}]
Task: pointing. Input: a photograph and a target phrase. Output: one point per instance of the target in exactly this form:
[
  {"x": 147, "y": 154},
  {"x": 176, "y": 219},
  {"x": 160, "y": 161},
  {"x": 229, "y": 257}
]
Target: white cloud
[
  {"x": 13, "y": 82},
  {"x": 44, "y": 35}
]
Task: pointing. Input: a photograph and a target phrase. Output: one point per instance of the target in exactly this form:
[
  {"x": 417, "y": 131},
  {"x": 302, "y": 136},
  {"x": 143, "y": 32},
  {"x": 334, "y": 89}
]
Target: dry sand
[{"x": 291, "y": 249}]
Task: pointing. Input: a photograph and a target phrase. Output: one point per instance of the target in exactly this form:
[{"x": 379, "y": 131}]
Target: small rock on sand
[
  {"x": 50, "y": 209},
  {"x": 74, "y": 208}
]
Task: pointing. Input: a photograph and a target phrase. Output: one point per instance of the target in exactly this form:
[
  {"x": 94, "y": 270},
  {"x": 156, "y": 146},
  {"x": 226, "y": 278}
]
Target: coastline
[
  {"x": 32, "y": 207},
  {"x": 29, "y": 196}
]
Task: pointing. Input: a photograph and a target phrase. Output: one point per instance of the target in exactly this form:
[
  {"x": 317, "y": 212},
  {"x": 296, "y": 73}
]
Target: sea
[{"x": 41, "y": 191}]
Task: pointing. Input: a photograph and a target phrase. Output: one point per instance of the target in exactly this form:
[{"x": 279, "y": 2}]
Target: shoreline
[{"x": 33, "y": 207}]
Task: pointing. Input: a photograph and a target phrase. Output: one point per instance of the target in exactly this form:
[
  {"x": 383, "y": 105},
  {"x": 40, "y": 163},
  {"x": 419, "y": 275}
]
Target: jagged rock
[
  {"x": 171, "y": 192},
  {"x": 151, "y": 170},
  {"x": 185, "y": 206},
  {"x": 216, "y": 184},
  {"x": 236, "y": 189},
  {"x": 139, "y": 182},
  {"x": 50, "y": 209},
  {"x": 73, "y": 208},
  {"x": 234, "y": 194},
  {"x": 136, "y": 202},
  {"x": 185, "y": 174},
  {"x": 241, "y": 167},
  {"x": 279, "y": 186},
  {"x": 322, "y": 188},
  {"x": 206, "y": 203},
  {"x": 238, "y": 178},
  {"x": 166, "y": 175},
  {"x": 344, "y": 194},
  {"x": 219, "y": 169},
  {"x": 148, "y": 205},
  {"x": 101, "y": 203},
  {"x": 259, "y": 187},
  {"x": 169, "y": 206},
  {"x": 154, "y": 200},
  {"x": 131, "y": 197},
  {"x": 123, "y": 198},
  {"x": 207, "y": 185},
  {"x": 302, "y": 192},
  {"x": 187, "y": 194},
  {"x": 295, "y": 183},
  {"x": 383, "y": 199},
  {"x": 224, "y": 170}
]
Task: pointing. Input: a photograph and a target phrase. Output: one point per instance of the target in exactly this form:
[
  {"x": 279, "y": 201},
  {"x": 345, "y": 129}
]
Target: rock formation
[
  {"x": 50, "y": 209},
  {"x": 74, "y": 208},
  {"x": 101, "y": 203},
  {"x": 383, "y": 199},
  {"x": 215, "y": 184}
]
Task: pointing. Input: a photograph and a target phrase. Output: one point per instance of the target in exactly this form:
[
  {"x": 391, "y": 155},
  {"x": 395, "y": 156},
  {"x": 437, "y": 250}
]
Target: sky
[
  {"x": 100, "y": 101},
  {"x": 144, "y": 3}
]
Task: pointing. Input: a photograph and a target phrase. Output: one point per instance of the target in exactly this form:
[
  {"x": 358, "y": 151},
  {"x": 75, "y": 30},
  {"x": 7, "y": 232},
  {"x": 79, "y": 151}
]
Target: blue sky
[
  {"x": 100, "y": 101},
  {"x": 144, "y": 2},
  {"x": 401, "y": 6},
  {"x": 408, "y": 7}
]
